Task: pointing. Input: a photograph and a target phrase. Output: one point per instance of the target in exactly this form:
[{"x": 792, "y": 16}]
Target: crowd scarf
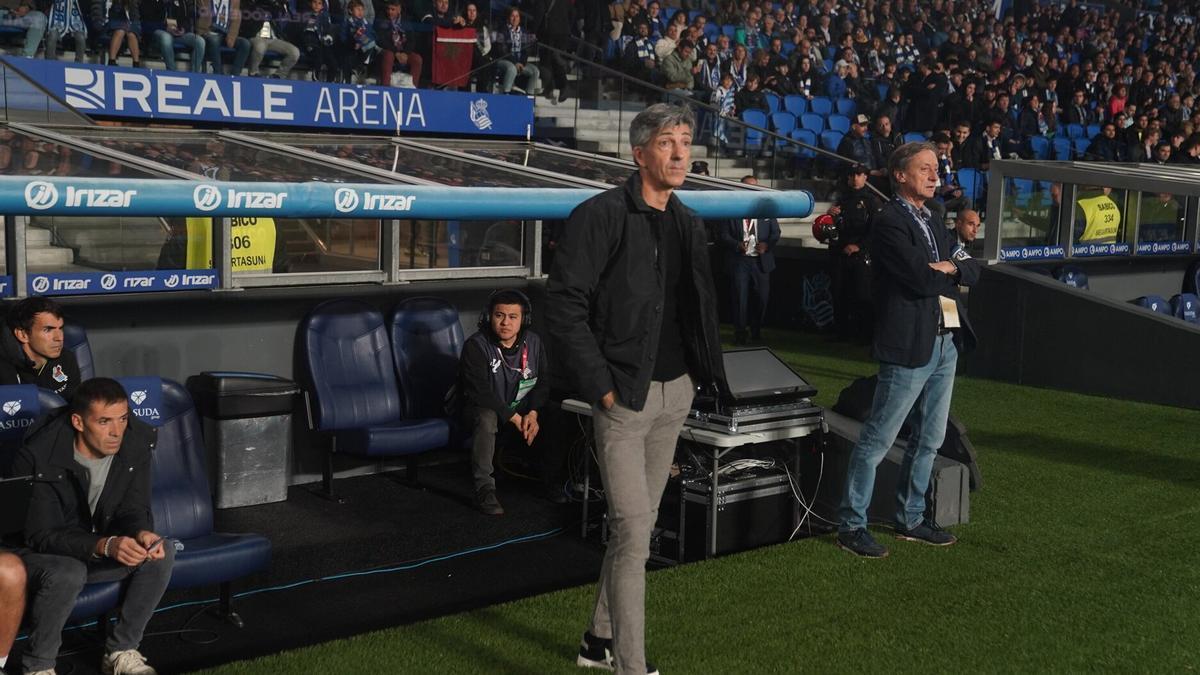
[
  {"x": 220, "y": 12},
  {"x": 65, "y": 17},
  {"x": 516, "y": 41},
  {"x": 396, "y": 28},
  {"x": 710, "y": 73},
  {"x": 739, "y": 77}
]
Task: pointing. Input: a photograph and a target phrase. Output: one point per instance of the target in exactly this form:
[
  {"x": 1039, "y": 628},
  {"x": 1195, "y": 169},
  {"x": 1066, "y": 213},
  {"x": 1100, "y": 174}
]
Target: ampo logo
[
  {"x": 108, "y": 282},
  {"x": 40, "y": 195},
  {"x": 206, "y": 197},
  {"x": 345, "y": 200},
  {"x": 40, "y": 284}
]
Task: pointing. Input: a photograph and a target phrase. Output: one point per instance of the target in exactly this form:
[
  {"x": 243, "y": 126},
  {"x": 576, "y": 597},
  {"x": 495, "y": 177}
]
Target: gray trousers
[
  {"x": 56, "y": 580},
  {"x": 288, "y": 55},
  {"x": 634, "y": 450},
  {"x": 483, "y": 446}
]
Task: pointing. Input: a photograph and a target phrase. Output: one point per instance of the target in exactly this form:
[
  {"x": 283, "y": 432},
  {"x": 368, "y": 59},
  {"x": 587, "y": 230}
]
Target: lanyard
[
  {"x": 920, "y": 220},
  {"x": 524, "y": 369},
  {"x": 749, "y": 225}
]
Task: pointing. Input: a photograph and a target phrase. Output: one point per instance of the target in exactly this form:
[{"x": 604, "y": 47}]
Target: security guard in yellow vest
[{"x": 1100, "y": 218}]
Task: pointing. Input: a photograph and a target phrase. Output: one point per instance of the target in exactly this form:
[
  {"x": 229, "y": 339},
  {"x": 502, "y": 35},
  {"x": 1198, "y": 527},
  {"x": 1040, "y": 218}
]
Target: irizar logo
[
  {"x": 108, "y": 282},
  {"x": 40, "y": 284},
  {"x": 104, "y": 198},
  {"x": 40, "y": 195},
  {"x": 172, "y": 281},
  {"x": 138, "y": 397},
  {"x": 12, "y": 407},
  {"x": 84, "y": 88},
  {"x": 206, "y": 197},
  {"x": 346, "y": 200},
  {"x": 479, "y": 115}
]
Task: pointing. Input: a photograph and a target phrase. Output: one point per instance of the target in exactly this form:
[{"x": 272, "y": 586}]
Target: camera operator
[{"x": 852, "y": 210}]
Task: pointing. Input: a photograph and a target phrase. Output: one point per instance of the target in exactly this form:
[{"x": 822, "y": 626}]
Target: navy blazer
[
  {"x": 729, "y": 237},
  {"x": 906, "y": 288}
]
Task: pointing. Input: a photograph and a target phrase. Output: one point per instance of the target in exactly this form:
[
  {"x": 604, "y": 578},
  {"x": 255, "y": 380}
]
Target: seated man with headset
[{"x": 502, "y": 384}]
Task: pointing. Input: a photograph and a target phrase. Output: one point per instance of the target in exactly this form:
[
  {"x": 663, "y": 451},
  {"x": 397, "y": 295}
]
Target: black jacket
[
  {"x": 906, "y": 289},
  {"x": 729, "y": 236},
  {"x": 604, "y": 299},
  {"x": 480, "y": 377},
  {"x": 60, "y": 375},
  {"x": 59, "y": 521}
]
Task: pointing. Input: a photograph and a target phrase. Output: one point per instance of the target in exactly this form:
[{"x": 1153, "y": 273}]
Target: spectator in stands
[
  {"x": 854, "y": 144},
  {"x": 22, "y": 15},
  {"x": 1162, "y": 153},
  {"x": 65, "y": 20},
  {"x": 654, "y": 17},
  {"x": 854, "y": 205},
  {"x": 391, "y": 34},
  {"x": 120, "y": 19},
  {"x": 1144, "y": 151},
  {"x": 1098, "y": 217},
  {"x": 679, "y": 68},
  {"x": 922, "y": 326},
  {"x": 481, "y": 58},
  {"x": 724, "y": 100},
  {"x": 966, "y": 227},
  {"x": 949, "y": 192},
  {"x": 31, "y": 350},
  {"x": 1079, "y": 112},
  {"x": 807, "y": 81},
  {"x": 12, "y": 601},
  {"x": 708, "y": 77},
  {"x": 317, "y": 41},
  {"x": 503, "y": 382},
  {"x": 640, "y": 376},
  {"x": 218, "y": 23},
  {"x": 982, "y": 148},
  {"x": 512, "y": 46},
  {"x": 748, "y": 244},
  {"x": 1034, "y": 122},
  {"x": 739, "y": 66},
  {"x": 640, "y": 61},
  {"x": 1106, "y": 147},
  {"x": 667, "y": 44},
  {"x": 552, "y": 22},
  {"x": 441, "y": 16},
  {"x": 359, "y": 49},
  {"x": 90, "y": 521},
  {"x": 179, "y": 24},
  {"x": 750, "y": 97},
  {"x": 262, "y": 15}
]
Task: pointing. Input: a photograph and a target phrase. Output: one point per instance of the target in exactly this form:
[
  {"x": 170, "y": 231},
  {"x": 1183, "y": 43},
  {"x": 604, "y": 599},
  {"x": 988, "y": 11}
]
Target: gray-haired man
[{"x": 631, "y": 304}]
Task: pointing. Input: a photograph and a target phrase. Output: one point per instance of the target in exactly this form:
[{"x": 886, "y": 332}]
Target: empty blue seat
[
  {"x": 973, "y": 184},
  {"x": 846, "y": 106},
  {"x": 1093, "y": 130},
  {"x": 754, "y": 137},
  {"x": 795, "y": 104},
  {"x": 75, "y": 340},
  {"x": 774, "y": 104},
  {"x": 427, "y": 339},
  {"x": 831, "y": 139},
  {"x": 181, "y": 499},
  {"x": 838, "y": 123},
  {"x": 1062, "y": 149},
  {"x": 1073, "y": 276},
  {"x": 1154, "y": 303},
  {"x": 882, "y": 90},
  {"x": 729, "y": 29},
  {"x": 914, "y": 137},
  {"x": 828, "y": 63},
  {"x": 1186, "y": 306},
  {"x": 1080, "y": 146},
  {"x": 1074, "y": 131},
  {"x": 821, "y": 105},
  {"x": 1040, "y": 146},
  {"x": 813, "y": 122},
  {"x": 807, "y": 137}
]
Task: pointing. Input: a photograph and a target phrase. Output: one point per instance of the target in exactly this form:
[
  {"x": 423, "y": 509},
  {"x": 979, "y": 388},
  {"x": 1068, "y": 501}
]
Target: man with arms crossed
[
  {"x": 631, "y": 305},
  {"x": 920, "y": 328},
  {"x": 89, "y": 520}
]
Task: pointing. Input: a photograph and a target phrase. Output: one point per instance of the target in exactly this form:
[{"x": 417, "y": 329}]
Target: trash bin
[{"x": 247, "y": 421}]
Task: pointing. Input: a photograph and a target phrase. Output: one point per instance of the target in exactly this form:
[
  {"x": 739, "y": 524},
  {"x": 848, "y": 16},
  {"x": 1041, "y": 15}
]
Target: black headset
[{"x": 485, "y": 316}]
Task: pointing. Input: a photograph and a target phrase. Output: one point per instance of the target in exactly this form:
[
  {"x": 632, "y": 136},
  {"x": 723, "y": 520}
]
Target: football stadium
[{"x": 733, "y": 336}]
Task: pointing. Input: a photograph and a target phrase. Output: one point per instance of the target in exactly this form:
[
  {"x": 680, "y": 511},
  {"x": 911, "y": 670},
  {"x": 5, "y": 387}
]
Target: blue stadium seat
[
  {"x": 774, "y": 104},
  {"x": 1080, "y": 146},
  {"x": 1040, "y": 145},
  {"x": 882, "y": 90},
  {"x": 349, "y": 376},
  {"x": 808, "y": 137},
  {"x": 1062, "y": 149},
  {"x": 75, "y": 340},
  {"x": 846, "y": 106},
  {"x": 729, "y": 29},
  {"x": 1074, "y": 131},
  {"x": 795, "y": 104},
  {"x": 693, "y": 14},
  {"x": 1023, "y": 191},
  {"x": 1093, "y": 130},
  {"x": 712, "y": 31},
  {"x": 914, "y": 137},
  {"x": 973, "y": 183},
  {"x": 1191, "y": 278},
  {"x": 831, "y": 139},
  {"x": 813, "y": 122},
  {"x": 427, "y": 339},
  {"x": 838, "y": 123},
  {"x": 821, "y": 105},
  {"x": 1186, "y": 306},
  {"x": 754, "y": 137},
  {"x": 1073, "y": 276},
  {"x": 828, "y": 63},
  {"x": 181, "y": 499},
  {"x": 1154, "y": 303}
]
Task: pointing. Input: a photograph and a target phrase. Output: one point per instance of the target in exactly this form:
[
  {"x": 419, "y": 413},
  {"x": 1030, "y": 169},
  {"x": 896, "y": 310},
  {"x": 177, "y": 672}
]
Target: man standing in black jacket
[
  {"x": 502, "y": 379},
  {"x": 920, "y": 328},
  {"x": 89, "y": 520},
  {"x": 631, "y": 304},
  {"x": 31, "y": 350}
]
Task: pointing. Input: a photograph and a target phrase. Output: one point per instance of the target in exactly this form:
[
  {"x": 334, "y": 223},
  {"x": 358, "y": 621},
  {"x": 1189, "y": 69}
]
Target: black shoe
[
  {"x": 927, "y": 532},
  {"x": 861, "y": 543},
  {"x": 596, "y": 652},
  {"x": 486, "y": 500}
]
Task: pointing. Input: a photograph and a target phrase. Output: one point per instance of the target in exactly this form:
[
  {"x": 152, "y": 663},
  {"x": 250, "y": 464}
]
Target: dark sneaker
[
  {"x": 487, "y": 502},
  {"x": 596, "y": 652},
  {"x": 861, "y": 543},
  {"x": 927, "y": 532}
]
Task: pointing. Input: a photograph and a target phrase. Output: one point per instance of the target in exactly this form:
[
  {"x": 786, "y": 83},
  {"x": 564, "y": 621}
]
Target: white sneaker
[{"x": 128, "y": 662}]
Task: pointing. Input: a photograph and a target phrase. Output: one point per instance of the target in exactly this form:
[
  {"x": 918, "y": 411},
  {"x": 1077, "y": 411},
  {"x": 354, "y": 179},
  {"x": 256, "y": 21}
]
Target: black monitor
[{"x": 757, "y": 373}]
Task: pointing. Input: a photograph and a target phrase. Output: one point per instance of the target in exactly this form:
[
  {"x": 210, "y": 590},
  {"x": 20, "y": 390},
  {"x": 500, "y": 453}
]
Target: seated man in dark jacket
[
  {"x": 31, "y": 350},
  {"x": 502, "y": 381},
  {"x": 89, "y": 520}
]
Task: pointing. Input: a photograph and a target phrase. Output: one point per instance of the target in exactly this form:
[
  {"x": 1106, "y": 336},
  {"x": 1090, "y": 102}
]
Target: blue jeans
[
  {"x": 34, "y": 23},
  {"x": 166, "y": 47},
  {"x": 241, "y": 51},
  {"x": 921, "y": 395}
]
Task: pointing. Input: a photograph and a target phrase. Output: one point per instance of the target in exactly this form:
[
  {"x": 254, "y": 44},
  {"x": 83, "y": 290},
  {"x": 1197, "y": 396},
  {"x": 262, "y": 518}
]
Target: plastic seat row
[{"x": 1185, "y": 306}]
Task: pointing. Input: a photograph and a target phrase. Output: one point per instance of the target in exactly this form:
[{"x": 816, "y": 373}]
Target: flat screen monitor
[{"x": 757, "y": 373}]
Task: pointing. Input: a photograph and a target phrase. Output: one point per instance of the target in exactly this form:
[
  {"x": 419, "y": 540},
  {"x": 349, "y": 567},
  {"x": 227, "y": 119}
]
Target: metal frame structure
[{"x": 1178, "y": 180}]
